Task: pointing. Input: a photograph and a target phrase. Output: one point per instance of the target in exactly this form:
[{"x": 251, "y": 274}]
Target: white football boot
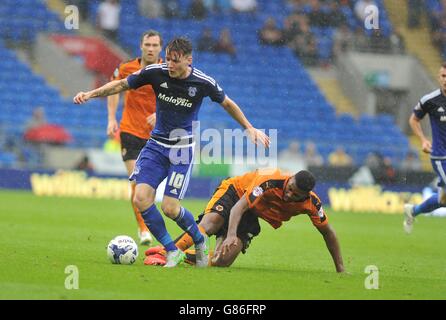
[
  {"x": 145, "y": 238},
  {"x": 201, "y": 253},
  {"x": 408, "y": 218}
]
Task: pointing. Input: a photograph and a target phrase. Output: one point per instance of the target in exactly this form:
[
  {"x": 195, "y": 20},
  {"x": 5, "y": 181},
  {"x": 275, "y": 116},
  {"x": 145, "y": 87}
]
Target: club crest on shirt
[
  {"x": 192, "y": 91},
  {"x": 219, "y": 208}
]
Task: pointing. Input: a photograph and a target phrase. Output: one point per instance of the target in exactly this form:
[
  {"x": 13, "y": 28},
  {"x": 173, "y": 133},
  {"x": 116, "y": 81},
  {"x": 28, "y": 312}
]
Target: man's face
[
  {"x": 177, "y": 64},
  {"x": 442, "y": 79},
  {"x": 293, "y": 193},
  {"x": 151, "y": 49}
]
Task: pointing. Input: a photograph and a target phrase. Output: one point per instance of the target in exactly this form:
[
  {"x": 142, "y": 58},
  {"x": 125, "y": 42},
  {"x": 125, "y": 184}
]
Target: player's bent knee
[
  {"x": 144, "y": 196},
  {"x": 137, "y": 201},
  {"x": 208, "y": 228},
  {"x": 211, "y": 223},
  {"x": 141, "y": 202},
  {"x": 170, "y": 209}
]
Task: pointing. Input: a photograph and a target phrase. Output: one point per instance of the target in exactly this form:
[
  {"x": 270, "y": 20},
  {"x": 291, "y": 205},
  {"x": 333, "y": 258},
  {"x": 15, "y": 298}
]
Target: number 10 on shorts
[{"x": 176, "y": 180}]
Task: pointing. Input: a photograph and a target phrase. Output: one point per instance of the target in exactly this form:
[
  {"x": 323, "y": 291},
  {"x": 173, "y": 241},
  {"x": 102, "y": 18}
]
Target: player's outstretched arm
[
  {"x": 333, "y": 246},
  {"x": 235, "y": 216},
  {"x": 107, "y": 89},
  {"x": 415, "y": 124},
  {"x": 234, "y": 110}
]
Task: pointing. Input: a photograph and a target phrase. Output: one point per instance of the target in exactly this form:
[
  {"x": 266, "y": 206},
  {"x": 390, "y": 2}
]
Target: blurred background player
[
  {"x": 433, "y": 104},
  {"x": 108, "y": 18},
  {"x": 180, "y": 90},
  {"x": 138, "y": 116},
  {"x": 233, "y": 211}
]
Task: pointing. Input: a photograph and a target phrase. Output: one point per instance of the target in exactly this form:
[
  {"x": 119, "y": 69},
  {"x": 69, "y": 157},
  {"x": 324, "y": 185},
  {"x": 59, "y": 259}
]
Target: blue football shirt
[
  {"x": 434, "y": 104},
  {"x": 178, "y": 101}
]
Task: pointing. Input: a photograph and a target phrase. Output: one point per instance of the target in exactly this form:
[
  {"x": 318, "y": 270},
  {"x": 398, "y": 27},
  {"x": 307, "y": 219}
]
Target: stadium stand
[
  {"x": 21, "y": 21},
  {"x": 273, "y": 87},
  {"x": 436, "y": 13},
  {"x": 29, "y": 91},
  {"x": 267, "y": 99}
]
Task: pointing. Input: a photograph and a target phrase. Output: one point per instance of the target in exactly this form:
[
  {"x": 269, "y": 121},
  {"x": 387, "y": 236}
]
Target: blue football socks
[
  {"x": 155, "y": 222},
  {"x": 186, "y": 221},
  {"x": 428, "y": 205}
]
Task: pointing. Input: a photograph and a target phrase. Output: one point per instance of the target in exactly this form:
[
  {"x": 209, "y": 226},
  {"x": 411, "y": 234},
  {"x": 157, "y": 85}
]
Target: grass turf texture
[{"x": 40, "y": 236}]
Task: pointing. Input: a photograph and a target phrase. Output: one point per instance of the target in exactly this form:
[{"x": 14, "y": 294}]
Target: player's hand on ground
[
  {"x": 257, "y": 136},
  {"x": 151, "y": 120},
  {"x": 227, "y": 244},
  {"x": 112, "y": 128},
  {"x": 81, "y": 97},
  {"x": 427, "y": 146}
]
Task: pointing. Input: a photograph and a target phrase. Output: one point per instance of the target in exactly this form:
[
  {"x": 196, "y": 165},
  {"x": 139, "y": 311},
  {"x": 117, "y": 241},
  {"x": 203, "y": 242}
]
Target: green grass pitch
[{"x": 40, "y": 236}]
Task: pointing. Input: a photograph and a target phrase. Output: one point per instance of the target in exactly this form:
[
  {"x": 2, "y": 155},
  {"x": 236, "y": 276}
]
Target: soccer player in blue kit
[
  {"x": 179, "y": 89},
  {"x": 433, "y": 104}
]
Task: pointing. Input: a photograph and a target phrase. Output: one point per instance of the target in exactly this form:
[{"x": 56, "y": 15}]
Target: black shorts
[
  {"x": 248, "y": 227},
  {"x": 131, "y": 146}
]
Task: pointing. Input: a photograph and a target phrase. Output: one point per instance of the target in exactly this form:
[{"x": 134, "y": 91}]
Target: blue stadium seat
[{"x": 7, "y": 159}]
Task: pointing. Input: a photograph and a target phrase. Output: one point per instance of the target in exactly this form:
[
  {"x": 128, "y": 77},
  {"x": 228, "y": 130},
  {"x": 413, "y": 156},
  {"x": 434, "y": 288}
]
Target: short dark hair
[
  {"x": 443, "y": 65},
  {"x": 152, "y": 33},
  {"x": 305, "y": 180},
  {"x": 181, "y": 45}
]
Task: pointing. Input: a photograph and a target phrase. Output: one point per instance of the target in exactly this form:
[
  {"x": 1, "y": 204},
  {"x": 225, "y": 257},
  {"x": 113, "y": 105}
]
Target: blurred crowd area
[
  {"x": 436, "y": 11},
  {"x": 239, "y": 41},
  {"x": 315, "y": 30}
]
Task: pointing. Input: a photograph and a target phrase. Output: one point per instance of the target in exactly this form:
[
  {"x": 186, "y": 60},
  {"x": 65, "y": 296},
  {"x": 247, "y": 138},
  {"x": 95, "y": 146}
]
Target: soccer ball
[{"x": 122, "y": 250}]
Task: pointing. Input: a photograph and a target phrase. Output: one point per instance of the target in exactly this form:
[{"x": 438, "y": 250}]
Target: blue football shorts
[
  {"x": 157, "y": 161},
  {"x": 439, "y": 167}
]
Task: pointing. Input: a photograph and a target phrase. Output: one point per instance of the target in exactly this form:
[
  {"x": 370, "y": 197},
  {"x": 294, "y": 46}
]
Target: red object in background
[
  {"x": 98, "y": 56},
  {"x": 48, "y": 133}
]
